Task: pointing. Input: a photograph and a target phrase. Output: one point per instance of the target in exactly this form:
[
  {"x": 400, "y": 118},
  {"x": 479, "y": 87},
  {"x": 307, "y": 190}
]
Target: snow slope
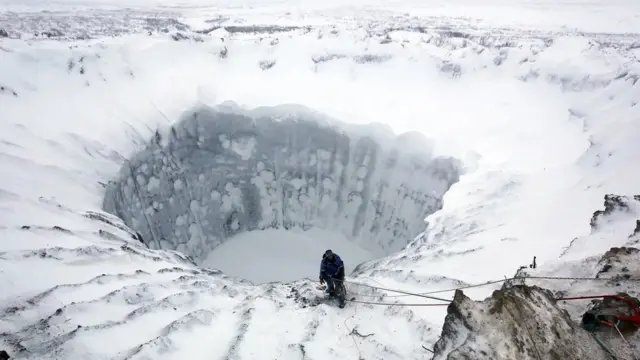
[{"x": 544, "y": 118}]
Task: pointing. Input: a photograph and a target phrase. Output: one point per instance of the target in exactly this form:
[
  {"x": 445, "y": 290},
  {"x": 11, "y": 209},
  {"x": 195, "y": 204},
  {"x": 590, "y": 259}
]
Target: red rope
[{"x": 635, "y": 318}]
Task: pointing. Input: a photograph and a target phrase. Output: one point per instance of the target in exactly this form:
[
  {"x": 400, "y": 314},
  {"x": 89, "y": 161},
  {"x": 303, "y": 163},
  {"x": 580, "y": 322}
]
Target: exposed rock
[
  {"x": 59, "y": 228},
  {"x": 179, "y": 36},
  {"x": 618, "y": 254},
  {"x": 636, "y": 231},
  {"x": 7, "y": 90},
  {"x": 138, "y": 237},
  {"x": 266, "y": 64},
  {"x": 619, "y": 264},
  {"x": 325, "y": 58},
  {"x": 371, "y": 58},
  {"x": 3, "y": 33},
  {"x": 4, "y": 355},
  {"x": 448, "y": 67},
  {"x": 606, "y": 317},
  {"x": 618, "y": 223},
  {"x": 517, "y": 323},
  {"x": 609, "y": 308},
  {"x": 107, "y": 235},
  {"x": 107, "y": 220},
  {"x": 268, "y": 29},
  {"x": 386, "y": 40},
  {"x": 52, "y": 33},
  {"x": 612, "y": 203}
]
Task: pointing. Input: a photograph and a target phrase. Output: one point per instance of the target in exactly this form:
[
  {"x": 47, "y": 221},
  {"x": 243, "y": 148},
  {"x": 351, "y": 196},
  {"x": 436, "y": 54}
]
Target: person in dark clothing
[{"x": 332, "y": 272}]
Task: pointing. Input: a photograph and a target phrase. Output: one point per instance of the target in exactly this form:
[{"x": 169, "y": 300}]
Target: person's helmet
[{"x": 329, "y": 256}]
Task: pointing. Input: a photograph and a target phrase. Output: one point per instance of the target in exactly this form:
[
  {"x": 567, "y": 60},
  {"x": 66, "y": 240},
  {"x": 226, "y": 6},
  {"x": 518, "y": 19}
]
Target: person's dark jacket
[{"x": 334, "y": 270}]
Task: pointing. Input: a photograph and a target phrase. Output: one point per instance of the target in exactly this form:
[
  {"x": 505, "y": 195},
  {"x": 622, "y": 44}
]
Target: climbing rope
[
  {"x": 572, "y": 278},
  {"x": 585, "y": 297},
  {"x": 425, "y": 294},
  {"x": 613, "y": 324},
  {"x": 391, "y": 304},
  {"x": 517, "y": 306},
  {"x": 438, "y": 291},
  {"x": 526, "y": 326},
  {"x": 403, "y": 292},
  {"x": 447, "y": 302},
  {"x": 626, "y": 342},
  {"x": 352, "y": 334},
  {"x": 604, "y": 347}
]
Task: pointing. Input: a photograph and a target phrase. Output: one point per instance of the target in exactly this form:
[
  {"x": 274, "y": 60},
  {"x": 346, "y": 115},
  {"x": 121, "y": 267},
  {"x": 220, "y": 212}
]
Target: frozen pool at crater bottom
[{"x": 282, "y": 255}]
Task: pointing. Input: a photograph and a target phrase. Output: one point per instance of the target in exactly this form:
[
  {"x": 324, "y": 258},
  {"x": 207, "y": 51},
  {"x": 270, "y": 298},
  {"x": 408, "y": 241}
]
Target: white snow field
[
  {"x": 537, "y": 99},
  {"x": 281, "y": 255}
]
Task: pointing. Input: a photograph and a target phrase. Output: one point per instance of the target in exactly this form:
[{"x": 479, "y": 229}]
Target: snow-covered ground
[
  {"x": 615, "y": 16},
  {"x": 538, "y": 99},
  {"x": 280, "y": 255}
]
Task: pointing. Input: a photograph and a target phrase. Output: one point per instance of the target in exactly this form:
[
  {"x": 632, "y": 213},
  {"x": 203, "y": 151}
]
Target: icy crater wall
[{"x": 218, "y": 173}]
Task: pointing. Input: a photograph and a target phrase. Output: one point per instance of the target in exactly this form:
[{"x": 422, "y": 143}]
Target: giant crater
[{"x": 221, "y": 173}]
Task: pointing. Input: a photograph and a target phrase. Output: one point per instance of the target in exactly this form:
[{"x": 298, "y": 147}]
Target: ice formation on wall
[{"x": 218, "y": 173}]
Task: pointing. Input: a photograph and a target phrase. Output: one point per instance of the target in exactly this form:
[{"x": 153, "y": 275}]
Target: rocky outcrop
[
  {"x": 603, "y": 319},
  {"x": 619, "y": 264},
  {"x": 613, "y": 203},
  {"x": 617, "y": 225},
  {"x": 217, "y": 174},
  {"x": 636, "y": 231},
  {"x": 609, "y": 309},
  {"x": 529, "y": 320},
  {"x": 520, "y": 322}
]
